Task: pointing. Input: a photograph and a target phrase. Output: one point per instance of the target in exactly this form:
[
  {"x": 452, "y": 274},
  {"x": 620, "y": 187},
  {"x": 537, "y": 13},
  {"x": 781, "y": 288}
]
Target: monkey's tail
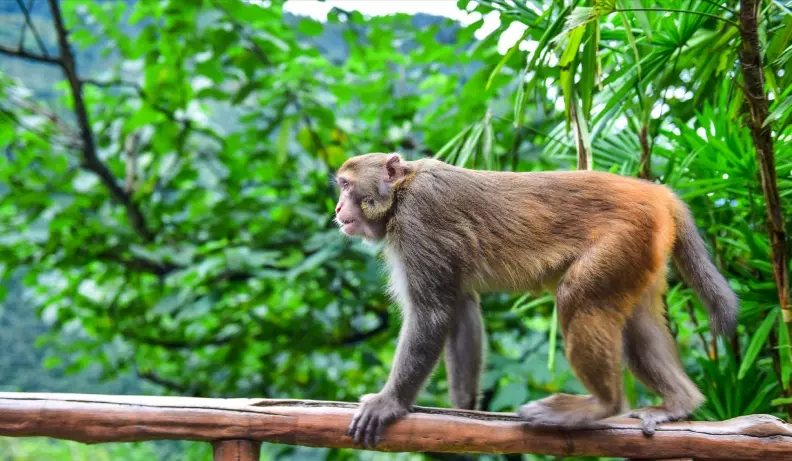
[{"x": 697, "y": 270}]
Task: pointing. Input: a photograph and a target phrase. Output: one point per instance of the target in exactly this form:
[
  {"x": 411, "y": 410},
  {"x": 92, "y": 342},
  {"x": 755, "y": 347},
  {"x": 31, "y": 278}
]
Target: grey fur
[
  {"x": 693, "y": 262},
  {"x": 651, "y": 356},
  {"x": 464, "y": 354}
]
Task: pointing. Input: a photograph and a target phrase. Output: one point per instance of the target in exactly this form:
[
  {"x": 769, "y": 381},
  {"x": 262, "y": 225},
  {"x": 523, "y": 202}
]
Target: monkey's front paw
[
  {"x": 652, "y": 416},
  {"x": 376, "y": 411}
]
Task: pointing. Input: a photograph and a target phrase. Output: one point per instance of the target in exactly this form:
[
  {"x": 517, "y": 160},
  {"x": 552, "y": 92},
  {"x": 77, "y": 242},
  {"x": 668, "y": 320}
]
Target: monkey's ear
[{"x": 394, "y": 168}]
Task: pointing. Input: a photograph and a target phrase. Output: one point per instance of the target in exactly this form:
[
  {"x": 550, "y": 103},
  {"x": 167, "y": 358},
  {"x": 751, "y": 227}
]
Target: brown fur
[{"x": 600, "y": 241}]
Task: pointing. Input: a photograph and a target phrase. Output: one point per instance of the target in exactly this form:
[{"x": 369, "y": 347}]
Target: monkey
[{"x": 601, "y": 243}]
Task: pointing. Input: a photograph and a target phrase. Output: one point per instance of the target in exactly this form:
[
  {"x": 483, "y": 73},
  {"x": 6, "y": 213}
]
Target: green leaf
[
  {"x": 521, "y": 307},
  {"x": 509, "y": 396},
  {"x": 470, "y": 145},
  {"x": 52, "y": 362},
  {"x": 284, "y": 136},
  {"x": 549, "y": 34},
  {"x": 552, "y": 337},
  {"x": 642, "y": 17},
  {"x": 144, "y": 253},
  {"x": 588, "y": 69},
  {"x": 313, "y": 261},
  {"x": 631, "y": 40},
  {"x": 142, "y": 117},
  {"x": 781, "y": 401},
  {"x": 506, "y": 58},
  {"x": 167, "y": 305},
  {"x": 487, "y": 145},
  {"x": 310, "y": 27},
  {"x": 779, "y": 111},
  {"x": 581, "y": 131},
  {"x": 760, "y": 397},
  {"x": 579, "y": 17},
  {"x": 757, "y": 343},
  {"x": 519, "y": 102},
  {"x": 784, "y": 56},
  {"x": 245, "y": 91},
  {"x": 783, "y": 7},
  {"x": 566, "y": 64},
  {"x": 452, "y": 143},
  {"x": 784, "y": 353}
]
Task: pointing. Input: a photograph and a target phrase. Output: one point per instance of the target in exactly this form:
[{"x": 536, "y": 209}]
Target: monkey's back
[{"x": 522, "y": 230}]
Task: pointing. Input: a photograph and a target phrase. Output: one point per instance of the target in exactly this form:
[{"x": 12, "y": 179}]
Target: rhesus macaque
[{"x": 599, "y": 241}]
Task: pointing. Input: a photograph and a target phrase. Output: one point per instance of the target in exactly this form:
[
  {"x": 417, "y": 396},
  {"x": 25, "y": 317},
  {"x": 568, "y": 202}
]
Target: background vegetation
[{"x": 166, "y": 208}]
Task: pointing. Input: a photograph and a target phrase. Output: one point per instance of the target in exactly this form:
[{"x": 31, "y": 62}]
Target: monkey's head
[{"x": 367, "y": 186}]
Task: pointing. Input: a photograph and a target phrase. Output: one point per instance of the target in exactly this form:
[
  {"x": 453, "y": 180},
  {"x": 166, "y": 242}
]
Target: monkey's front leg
[{"x": 421, "y": 341}]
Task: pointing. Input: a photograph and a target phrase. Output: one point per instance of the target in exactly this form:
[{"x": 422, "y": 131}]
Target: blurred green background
[{"x": 185, "y": 246}]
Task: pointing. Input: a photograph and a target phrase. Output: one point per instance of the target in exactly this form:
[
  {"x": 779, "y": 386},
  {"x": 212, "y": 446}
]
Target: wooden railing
[{"x": 236, "y": 428}]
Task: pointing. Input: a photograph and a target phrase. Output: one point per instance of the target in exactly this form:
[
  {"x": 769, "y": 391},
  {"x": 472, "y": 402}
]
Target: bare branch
[
  {"x": 22, "y": 32},
  {"x": 130, "y": 154},
  {"x": 91, "y": 161},
  {"x": 20, "y": 53},
  {"x": 159, "y": 380},
  {"x": 33, "y": 30},
  {"x": 46, "y": 137},
  {"x": 48, "y": 114},
  {"x": 175, "y": 344}
]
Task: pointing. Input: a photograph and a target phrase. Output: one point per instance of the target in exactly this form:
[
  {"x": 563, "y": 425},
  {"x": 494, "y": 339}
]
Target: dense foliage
[{"x": 179, "y": 230}]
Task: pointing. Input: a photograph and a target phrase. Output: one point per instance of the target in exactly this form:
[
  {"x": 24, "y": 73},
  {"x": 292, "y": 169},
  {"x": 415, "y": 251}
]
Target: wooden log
[
  {"x": 236, "y": 450},
  {"x": 98, "y": 418}
]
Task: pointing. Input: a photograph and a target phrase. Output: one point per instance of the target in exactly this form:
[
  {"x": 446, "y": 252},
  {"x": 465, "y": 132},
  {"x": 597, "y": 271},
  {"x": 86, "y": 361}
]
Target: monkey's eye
[{"x": 344, "y": 184}]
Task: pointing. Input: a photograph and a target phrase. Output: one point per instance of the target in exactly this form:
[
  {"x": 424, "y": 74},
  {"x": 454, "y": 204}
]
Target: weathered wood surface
[
  {"x": 99, "y": 418},
  {"x": 236, "y": 450}
]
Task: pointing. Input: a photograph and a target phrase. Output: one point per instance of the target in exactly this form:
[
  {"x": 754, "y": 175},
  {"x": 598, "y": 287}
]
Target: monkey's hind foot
[
  {"x": 652, "y": 416},
  {"x": 564, "y": 410}
]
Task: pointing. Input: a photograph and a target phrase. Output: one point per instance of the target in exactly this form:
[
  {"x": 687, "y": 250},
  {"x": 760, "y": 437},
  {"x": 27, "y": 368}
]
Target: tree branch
[
  {"x": 49, "y": 115},
  {"x": 24, "y": 27},
  {"x": 166, "y": 383},
  {"x": 20, "y": 53},
  {"x": 130, "y": 159},
  {"x": 45, "y": 137},
  {"x": 91, "y": 161},
  {"x": 175, "y": 344},
  {"x": 29, "y": 23},
  {"x": 761, "y": 133}
]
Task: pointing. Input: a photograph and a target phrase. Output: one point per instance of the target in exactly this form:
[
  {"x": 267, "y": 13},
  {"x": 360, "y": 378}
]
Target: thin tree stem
[{"x": 761, "y": 134}]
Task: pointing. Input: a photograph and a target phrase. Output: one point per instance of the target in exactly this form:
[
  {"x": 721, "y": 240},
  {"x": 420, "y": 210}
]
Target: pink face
[
  {"x": 349, "y": 216},
  {"x": 369, "y": 178}
]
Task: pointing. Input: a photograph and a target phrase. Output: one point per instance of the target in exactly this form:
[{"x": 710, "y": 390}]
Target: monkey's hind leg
[
  {"x": 651, "y": 356},
  {"x": 594, "y": 300},
  {"x": 593, "y": 340},
  {"x": 464, "y": 353}
]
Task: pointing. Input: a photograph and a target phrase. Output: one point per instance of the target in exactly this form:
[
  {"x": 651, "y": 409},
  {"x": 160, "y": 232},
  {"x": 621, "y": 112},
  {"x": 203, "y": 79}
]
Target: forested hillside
[{"x": 22, "y": 326}]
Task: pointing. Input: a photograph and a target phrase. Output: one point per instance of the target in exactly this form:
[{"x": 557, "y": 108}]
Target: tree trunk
[{"x": 751, "y": 62}]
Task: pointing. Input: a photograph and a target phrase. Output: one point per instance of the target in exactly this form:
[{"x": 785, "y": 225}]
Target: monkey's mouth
[{"x": 346, "y": 224}]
